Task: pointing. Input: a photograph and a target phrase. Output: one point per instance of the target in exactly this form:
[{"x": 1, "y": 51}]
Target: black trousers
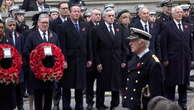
[
  {"x": 43, "y": 95},
  {"x": 91, "y": 76},
  {"x": 57, "y": 94},
  {"x": 100, "y": 98},
  {"x": 67, "y": 99},
  {"x": 19, "y": 95},
  {"x": 182, "y": 92}
]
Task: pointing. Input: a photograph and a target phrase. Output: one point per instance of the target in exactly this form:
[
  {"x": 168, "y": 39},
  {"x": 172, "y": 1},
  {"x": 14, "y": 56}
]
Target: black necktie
[
  {"x": 76, "y": 27},
  {"x": 180, "y": 27},
  {"x": 111, "y": 32},
  {"x": 146, "y": 29},
  {"x": 44, "y": 36}
]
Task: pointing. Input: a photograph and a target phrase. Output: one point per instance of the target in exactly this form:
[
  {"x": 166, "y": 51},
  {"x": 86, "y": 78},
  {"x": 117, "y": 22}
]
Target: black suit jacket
[
  {"x": 34, "y": 39},
  {"x": 54, "y": 25}
]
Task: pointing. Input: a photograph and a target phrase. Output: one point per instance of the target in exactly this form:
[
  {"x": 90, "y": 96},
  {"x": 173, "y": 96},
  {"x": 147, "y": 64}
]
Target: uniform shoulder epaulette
[{"x": 155, "y": 58}]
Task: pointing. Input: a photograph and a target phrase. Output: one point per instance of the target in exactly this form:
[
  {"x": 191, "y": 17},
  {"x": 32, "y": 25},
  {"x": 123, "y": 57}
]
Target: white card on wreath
[
  {"x": 7, "y": 52},
  {"x": 48, "y": 51}
]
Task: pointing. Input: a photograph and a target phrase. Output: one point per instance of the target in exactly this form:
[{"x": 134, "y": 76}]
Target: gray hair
[
  {"x": 43, "y": 15},
  {"x": 175, "y": 8},
  {"x": 95, "y": 10},
  {"x": 140, "y": 10},
  {"x": 106, "y": 11}
]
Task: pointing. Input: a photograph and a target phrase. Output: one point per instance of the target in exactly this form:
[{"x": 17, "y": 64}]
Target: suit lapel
[
  {"x": 105, "y": 29},
  {"x": 39, "y": 36}
]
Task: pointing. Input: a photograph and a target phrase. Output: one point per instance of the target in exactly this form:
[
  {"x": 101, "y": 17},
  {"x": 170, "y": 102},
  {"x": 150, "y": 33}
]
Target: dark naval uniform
[
  {"x": 144, "y": 80},
  {"x": 142, "y": 72}
]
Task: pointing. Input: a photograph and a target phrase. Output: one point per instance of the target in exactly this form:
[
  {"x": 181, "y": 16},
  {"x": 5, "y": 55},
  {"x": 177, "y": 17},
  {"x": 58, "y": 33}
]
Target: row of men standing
[{"x": 101, "y": 47}]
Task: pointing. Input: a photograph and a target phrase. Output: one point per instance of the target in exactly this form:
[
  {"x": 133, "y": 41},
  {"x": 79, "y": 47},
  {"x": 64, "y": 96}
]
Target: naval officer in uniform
[{"x": 144, "y": 78}]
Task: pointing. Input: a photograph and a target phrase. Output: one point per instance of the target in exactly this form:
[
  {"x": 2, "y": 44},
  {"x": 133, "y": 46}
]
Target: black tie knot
[
  {"x": 146, "y": 29},
  {"x": 180, "y": 26},
  {"x": 111, "y": 31},
  {"x": 44, "y": 36}
]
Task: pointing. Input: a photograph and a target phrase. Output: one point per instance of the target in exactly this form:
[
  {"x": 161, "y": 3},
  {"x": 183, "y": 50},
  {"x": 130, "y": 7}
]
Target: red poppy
[
  {"x": 11, "y": 74},
  {"x": 44, "y": 73}
]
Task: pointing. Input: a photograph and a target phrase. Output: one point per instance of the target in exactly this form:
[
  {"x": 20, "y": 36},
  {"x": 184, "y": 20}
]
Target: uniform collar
[{"x": 140, "y": 55}]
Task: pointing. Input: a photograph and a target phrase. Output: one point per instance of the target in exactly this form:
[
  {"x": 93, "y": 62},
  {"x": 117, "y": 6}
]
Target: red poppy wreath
[
  {"x": 10, "y": 64},
  {"x": 47, "y": 62}
]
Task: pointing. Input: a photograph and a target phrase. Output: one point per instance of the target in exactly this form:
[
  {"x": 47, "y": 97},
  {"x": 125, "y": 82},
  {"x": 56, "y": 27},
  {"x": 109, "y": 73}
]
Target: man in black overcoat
[
  {"x": 40, "y": 88},
  {"x": 75, "y": 41},
  {"x": 109, "y": 55},
  {"x": 177, "y": 54},
  {"x": 16, "y": 39}
]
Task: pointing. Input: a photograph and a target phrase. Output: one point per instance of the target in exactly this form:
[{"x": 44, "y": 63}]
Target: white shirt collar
[
  {"x": 176, "y": 22},
  {"x": 143, "y": 53},
  {"x": 41, "y": 34},
  {"x": 107, "y": 25},
  {"x": 145, "y": 23},
  {"x": 63, "y": 19}
]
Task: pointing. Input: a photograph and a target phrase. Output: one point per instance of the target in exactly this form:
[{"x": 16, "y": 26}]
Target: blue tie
[{"x": 76, "y": 27}]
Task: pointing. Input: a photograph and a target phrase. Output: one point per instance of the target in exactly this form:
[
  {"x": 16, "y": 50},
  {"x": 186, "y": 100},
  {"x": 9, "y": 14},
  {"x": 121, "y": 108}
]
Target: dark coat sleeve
[
  {"x": 163, "y": 43},
  {"x": 156, "y": 79}
]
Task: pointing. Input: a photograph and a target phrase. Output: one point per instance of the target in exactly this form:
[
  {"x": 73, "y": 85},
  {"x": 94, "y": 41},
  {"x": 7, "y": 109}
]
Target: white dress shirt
[
  {"x": 107, "y": 25},
  {"x": 145, "y": 23},
  {"x": 42, "y": 35}
]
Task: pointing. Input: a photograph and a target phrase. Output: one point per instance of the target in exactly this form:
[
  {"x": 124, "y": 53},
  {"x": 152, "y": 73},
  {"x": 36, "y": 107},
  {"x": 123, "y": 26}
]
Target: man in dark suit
[
  {"x": 63, "y": 16},
  {"x": 164, "y": 17},
  {"x": 16, "y": 39},
  {"x": 40, "y": 88},
  {"x": 144, "y": 24},
  {"x": 54, "y": 26},
  {"x": 7, "y": 92},
  {"x": 36, "y": 5},
  {"x": 74, "y": 37},
  {"x": 91, "y": 72},
  {"x": 144, "y": 78},
  {"x": 109, "y": 55},
  {"x": 177, "y": 54}
]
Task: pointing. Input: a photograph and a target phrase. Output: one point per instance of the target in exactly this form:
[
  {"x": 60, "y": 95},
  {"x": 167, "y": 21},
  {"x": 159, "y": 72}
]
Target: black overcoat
[
  {"x": 110, "y": 52},
  {"x": 76, "y": 47},
  {"x": 176, "y": 47},
  {"x": 33, "y": 40}
]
